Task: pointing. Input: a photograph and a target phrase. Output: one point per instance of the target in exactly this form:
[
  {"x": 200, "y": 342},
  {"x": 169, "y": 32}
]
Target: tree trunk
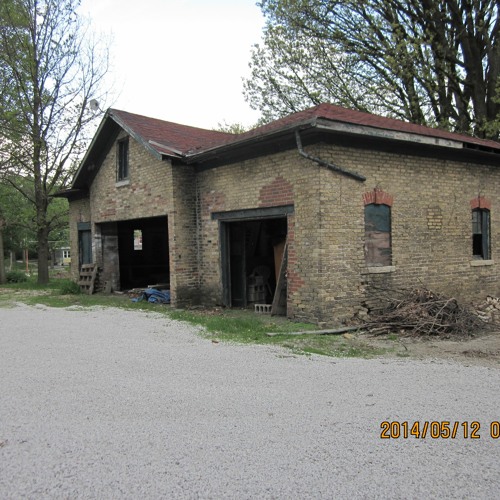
[
  {"x": 43, "y": 256},
  {"x": 3, "y": 277}
]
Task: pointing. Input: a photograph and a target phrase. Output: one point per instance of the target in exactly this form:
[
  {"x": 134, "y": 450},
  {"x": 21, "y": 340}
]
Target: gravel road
[{"x": 106, "y": 403}]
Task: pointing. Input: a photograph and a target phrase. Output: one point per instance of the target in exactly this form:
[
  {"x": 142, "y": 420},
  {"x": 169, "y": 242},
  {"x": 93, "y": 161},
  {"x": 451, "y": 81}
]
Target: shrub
[
  {"x": 69, "y": 287},
  {"x": 16, "y": 277}
]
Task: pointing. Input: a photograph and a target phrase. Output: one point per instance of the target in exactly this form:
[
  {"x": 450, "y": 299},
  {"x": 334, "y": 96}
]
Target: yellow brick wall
[
  {"x": 328, "y": 278},
  {"x": 154, "y": 188},
  {"x": 146, "y": 194},
  {"x": 183, "y": 233},
  {"x": 275, "y": 180}
]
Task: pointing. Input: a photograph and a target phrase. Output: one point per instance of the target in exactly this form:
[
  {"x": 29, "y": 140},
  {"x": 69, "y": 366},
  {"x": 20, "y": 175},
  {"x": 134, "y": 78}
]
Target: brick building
[{"x": 346, "y": 201}]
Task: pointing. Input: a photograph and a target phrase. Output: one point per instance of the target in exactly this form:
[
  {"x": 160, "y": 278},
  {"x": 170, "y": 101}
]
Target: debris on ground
[
  {"x": 421, "y": 311},
  {"x": 153, "y": 296},
  {"x": 489, "y": 310}
]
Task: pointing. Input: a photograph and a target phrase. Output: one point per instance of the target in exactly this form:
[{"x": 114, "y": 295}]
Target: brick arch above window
[
  {"x": 480, "y": 202},
  {"x": 278, "y": 192},
  {"x": 378, "y": 197}
]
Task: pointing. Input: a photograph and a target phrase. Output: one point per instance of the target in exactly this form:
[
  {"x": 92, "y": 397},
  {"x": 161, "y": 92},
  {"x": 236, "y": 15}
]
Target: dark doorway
[
  {"x": 251, "y": 256},
  {"x": 84, "y": 247},
  {"x": 143, "y": 252}
]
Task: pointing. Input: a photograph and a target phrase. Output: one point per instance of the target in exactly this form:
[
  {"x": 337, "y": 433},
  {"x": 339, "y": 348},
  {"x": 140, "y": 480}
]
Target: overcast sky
[{"x": 180, "y": 60}]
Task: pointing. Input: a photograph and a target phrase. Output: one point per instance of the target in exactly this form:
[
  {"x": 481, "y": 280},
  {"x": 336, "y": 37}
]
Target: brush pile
[{"x": 424, "y": 312}]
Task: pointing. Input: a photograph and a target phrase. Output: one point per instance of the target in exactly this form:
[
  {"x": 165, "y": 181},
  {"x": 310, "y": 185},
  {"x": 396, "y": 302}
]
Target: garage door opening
[
  {"x": 143, "y": 252},
  {"x": 252, "y": 256}
]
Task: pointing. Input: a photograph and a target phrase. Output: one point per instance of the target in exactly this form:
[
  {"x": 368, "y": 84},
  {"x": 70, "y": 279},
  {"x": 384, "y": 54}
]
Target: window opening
[
  {"x": 481, "y": 234},
  {"x": 137, "y": 239},
  {"x": 122, "y": 167},
  {"x": 378, "y": 246}
]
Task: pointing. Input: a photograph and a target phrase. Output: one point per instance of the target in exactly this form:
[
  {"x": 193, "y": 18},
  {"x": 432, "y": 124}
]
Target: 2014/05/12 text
[{"x": 437, "y": 429}]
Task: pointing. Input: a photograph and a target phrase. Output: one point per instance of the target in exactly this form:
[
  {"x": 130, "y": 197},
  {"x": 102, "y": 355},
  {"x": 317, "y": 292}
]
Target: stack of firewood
[
  {"x": 489, "y": 310},
  {"x": 421, "y": 311}
]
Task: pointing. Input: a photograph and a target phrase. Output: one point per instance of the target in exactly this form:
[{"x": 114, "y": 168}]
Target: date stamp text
[{"x": 445, "y": 429}]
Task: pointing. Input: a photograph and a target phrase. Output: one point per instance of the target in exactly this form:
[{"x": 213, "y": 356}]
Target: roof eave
[
  {"x": 213, "y": 152},
  {"x": 71, "y": 194},
  {"x": 89, "y": 151},
  {"x": 351, "y": 129},
  {"x": 108, "y": 117},
  {"x": 132, "y": 133},
  {"x": 381, "y": 133}
]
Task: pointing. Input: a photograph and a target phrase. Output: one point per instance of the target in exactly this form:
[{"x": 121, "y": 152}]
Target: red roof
[
  {"x": 167, "y": 137},
  {"x": 178, "y": 140},
  {"x": 348, "y": 116},
  {"x": 183, "y": 141}
]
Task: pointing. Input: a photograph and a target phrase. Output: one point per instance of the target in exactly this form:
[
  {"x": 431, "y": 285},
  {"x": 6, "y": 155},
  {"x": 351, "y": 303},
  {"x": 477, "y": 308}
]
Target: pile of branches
[{"x": 424, "y": 312}]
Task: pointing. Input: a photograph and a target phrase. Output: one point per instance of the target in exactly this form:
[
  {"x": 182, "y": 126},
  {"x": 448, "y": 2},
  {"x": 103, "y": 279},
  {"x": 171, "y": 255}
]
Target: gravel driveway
[{"x": 106, "y": 403}]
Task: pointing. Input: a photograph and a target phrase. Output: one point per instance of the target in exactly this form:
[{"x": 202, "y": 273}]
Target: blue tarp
[{"x": 154, "y": 296}]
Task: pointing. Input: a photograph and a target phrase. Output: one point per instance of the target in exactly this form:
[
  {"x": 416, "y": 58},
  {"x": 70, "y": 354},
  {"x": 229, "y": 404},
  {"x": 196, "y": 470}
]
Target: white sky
[{"x": 180, "y": 60}]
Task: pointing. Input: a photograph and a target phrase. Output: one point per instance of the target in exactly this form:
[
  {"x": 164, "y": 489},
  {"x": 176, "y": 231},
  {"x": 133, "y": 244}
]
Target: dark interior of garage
[
  {"x": 143, "y": 252},
  {"x": 255, "y": 255}
]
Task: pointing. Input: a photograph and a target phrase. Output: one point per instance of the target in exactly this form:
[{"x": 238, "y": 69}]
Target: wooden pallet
[{"x": 88, "y": 276}]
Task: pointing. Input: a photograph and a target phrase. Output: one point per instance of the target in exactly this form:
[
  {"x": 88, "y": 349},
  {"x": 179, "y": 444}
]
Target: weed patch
[
  {"x": 16, "y": 277},
  {"x": 69, "y": 287}
]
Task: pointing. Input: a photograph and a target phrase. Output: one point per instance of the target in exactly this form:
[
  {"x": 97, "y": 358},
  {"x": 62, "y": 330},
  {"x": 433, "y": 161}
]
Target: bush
[
  {"x": 69, "y": 287},
  {"x": 16, "y": 277}
]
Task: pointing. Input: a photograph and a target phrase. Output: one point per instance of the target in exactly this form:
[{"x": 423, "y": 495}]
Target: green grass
[
  {"x": 220, "y": 325},
  {"x": 239, "y": 324},
  {"x": 244, "y": 326}
]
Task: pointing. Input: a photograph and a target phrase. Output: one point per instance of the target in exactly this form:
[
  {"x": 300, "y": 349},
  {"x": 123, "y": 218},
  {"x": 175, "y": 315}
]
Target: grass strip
[{"x": 241, "y": 326}]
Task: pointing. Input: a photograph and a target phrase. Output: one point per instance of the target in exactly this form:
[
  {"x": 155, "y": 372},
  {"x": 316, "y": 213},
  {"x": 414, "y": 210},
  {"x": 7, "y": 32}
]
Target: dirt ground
[{"x": 479, "y": 350}]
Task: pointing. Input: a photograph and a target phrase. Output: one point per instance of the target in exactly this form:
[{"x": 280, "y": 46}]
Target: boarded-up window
[
  {"x": 378, "y": 250},
  {"x": 481, "y": 234}
]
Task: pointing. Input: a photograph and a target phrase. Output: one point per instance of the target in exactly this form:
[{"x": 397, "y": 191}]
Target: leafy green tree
[
  {"x": 15, "y": 221},
  {"x": 432, "y": 62},
  {"x": 3, "y": 277},
  {"x": 19, "y": 223},
  {"x": 231, "y": 128},
  {"x": 50, "y": 69}
]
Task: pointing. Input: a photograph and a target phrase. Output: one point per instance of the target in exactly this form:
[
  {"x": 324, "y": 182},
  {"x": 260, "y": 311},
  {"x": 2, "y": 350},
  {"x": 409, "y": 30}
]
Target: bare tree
[{"x": 50, "y": 69}]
